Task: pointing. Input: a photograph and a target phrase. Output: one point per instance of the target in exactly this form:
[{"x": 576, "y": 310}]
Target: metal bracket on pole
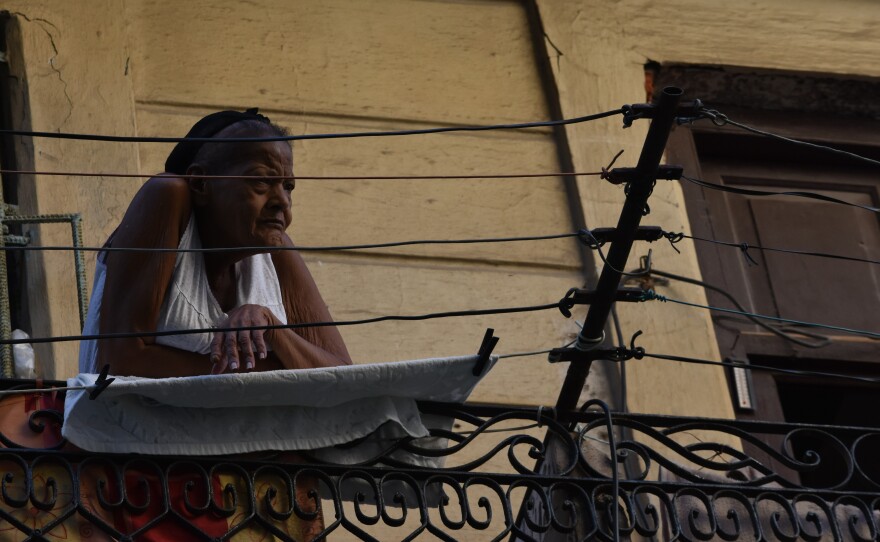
[
  {"x": 577, "y": 296},
  {"x": 610, "y": 235},
  {"x": 620, "y": 175},
  {"x": 642, "y": 181}
]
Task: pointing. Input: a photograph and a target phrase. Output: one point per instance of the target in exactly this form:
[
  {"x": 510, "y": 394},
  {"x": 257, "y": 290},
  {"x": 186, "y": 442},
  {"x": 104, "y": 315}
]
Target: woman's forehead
[{"x": 268, "y": 152}]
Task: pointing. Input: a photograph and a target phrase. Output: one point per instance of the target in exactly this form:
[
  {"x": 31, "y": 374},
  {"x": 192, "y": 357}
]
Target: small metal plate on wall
[{"x": 743, "y": 389}]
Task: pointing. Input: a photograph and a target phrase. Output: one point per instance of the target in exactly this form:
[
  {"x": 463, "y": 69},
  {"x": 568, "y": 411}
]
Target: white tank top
[{"x": 189, "y": 302}]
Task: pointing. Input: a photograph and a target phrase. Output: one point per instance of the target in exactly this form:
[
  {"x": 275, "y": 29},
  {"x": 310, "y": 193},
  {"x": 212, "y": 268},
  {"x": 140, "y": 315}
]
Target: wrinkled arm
[
  {"x": 136, "y": 284},
  {"x": 304, "y": 347}
]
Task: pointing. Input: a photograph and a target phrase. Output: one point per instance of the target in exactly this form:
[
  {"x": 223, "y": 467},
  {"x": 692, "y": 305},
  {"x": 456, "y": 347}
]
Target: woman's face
[{"x": 250, "y": 212}]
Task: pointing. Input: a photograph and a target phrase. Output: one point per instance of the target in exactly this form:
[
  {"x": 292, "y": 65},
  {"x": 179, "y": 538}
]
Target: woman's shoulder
[
  {"x": 167, "y": 194},
  {"x": 164, "y": 189},
  {"x": 162, "y": 201}
]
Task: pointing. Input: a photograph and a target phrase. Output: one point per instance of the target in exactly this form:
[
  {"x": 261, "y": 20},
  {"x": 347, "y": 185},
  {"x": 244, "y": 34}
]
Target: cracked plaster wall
[{"x": 69, "y": 65}]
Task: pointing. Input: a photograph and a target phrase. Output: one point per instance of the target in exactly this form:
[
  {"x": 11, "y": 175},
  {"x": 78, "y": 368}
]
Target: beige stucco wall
[
  {"x": 152, "y": 68},
  {"x": 319, "y": 67},
  {"x": 74, "y": 64},
  {"x": 351, "y": 66}
]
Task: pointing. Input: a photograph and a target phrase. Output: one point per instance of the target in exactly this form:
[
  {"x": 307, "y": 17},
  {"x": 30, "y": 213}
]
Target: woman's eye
[{"x": 289, "y": 186}]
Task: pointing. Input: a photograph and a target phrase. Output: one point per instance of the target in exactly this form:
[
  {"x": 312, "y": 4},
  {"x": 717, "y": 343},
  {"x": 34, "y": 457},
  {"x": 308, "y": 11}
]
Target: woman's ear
[{"x": 198, "y": 185}]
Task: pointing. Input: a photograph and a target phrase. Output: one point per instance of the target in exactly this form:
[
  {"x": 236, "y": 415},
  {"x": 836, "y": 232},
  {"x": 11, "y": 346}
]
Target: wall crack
[
  {"x": 44, "y": 25},
  {"x": 559, "y": 53}
]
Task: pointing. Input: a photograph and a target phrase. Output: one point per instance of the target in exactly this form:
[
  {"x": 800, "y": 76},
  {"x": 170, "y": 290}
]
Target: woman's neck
[
  {"x": 219, "y": 266},
  {"x": 223, "y": 283}
]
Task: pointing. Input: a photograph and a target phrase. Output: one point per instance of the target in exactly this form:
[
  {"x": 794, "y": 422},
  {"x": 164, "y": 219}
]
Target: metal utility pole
[{"x": 641, "y": 183}]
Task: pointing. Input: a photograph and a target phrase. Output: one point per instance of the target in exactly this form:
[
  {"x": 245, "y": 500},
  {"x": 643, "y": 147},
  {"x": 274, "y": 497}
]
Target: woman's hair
[
  {"x": 215, "y": 157},
  {"x": 187, "y": 152}
]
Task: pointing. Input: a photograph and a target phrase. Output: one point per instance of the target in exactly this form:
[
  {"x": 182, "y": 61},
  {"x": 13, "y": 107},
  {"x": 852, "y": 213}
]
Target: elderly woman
[{"x": 149, "y": 291}]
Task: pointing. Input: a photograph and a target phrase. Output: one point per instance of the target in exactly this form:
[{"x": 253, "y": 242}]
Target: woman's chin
[{"x": 275, "y": 240}]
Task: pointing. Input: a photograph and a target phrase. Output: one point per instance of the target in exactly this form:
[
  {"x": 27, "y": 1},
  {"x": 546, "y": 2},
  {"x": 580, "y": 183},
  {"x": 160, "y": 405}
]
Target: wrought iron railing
[{"x": 500, "y": 473}]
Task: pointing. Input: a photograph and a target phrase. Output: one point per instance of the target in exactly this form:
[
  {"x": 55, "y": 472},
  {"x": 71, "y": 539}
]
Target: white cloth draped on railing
[{"x": 307, "y": 409}]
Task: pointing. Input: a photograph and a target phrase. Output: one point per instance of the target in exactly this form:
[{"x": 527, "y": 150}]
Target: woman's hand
[{"x": 240, "y": 349}]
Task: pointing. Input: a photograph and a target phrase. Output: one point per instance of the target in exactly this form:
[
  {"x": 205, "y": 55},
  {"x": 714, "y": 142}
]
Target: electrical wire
[
  {"x": 40, "y": 391},
  {"x": 758, "y": 367},
  {"x": 302, "y": 248},
  {"x": 720, "y": 119},
  {"x": 530, "y": 353},
  {"x": 430, "y": 316},
  {"x": 533, "y": 352},
  {"x": 622, "y": 354},
  {"x": 306, "y": 177},
  {"x": 821, "y": 340},
  {"x": 596, "y": 245},
  {"x": 750, "y": 192},
  {"x": 674, "y": 237},
  {"x": 618, "y": 333},
  {"x": 420, "y": 131},
  {"x": 651, "y": 295}
]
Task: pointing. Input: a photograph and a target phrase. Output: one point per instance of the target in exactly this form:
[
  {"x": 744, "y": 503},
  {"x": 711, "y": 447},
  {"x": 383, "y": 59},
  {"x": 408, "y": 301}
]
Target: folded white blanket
[{"x": 307, "y": 409}]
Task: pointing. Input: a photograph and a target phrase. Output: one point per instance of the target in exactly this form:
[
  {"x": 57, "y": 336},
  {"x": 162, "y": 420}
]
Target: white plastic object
[{"x": 23, "y": 356}]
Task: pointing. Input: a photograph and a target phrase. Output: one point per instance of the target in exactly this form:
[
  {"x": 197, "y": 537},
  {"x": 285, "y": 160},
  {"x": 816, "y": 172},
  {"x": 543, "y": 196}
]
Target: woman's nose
[{"x": 279, "y": 197}]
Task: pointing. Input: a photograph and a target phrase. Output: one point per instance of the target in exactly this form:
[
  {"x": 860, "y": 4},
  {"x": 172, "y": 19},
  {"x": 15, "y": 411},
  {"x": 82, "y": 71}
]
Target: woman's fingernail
[
  {"x": 233, "y": 365},
  {"x": 262, "y": 355},
  {"x": 250, "y": 365}
]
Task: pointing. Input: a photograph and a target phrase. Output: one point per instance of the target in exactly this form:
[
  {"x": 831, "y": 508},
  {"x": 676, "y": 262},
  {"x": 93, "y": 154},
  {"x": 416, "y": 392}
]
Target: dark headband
[{"x": 185, "y": 151}]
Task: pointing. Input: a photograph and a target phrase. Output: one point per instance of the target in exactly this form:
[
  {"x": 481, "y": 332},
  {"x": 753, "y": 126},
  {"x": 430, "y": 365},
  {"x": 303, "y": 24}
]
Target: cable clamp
[
  {"x": 686, "y": 112},
  {"x": 673, "y": 238},
  {"x": 618, "y": 354},
  {"x": 717, "y": 118},
  {"x": 625, "y": 175},
  {"x": 744, "y": 247},
  {"x": 590, "y": 238},
  {"x": 578, "y": 296},
  {"x": 650, "y": 295},
  {"x": 598, "y": 237},
  {"x": 637, "y": 352},
  {"x": 584, "y": 344},
  {"x": 636, "y": 111},
  {"x": 567, "y": 303},
  {"x": 689, "y": 112}
]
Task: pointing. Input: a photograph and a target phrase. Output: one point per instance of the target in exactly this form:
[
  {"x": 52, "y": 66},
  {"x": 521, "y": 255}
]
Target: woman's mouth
[{"x": 272, "y": 223}]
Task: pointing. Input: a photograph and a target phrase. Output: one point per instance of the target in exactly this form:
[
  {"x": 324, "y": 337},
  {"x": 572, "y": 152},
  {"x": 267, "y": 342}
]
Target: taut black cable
[
  {"x": 304, "y": 248},
  {"x": 430, "y": 316},
  {"x": 752, "y": 366},
  {"x": 621, "y": 354},
  {"x": 821, "y": 340},
  {"x": 651, "y": 295},
  {"x": 720, "y": 119},
  {"x": 139, "y": 139},
  {"x": 307, "y": 177},
  {"x": 674, "y": 237},
  {"x": 750, "y": 192}
]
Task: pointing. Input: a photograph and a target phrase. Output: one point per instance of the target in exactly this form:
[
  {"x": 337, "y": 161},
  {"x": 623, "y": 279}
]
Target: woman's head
[
  {"x": 211, "y": 126},
  {"x": 240, "y": 210}
]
